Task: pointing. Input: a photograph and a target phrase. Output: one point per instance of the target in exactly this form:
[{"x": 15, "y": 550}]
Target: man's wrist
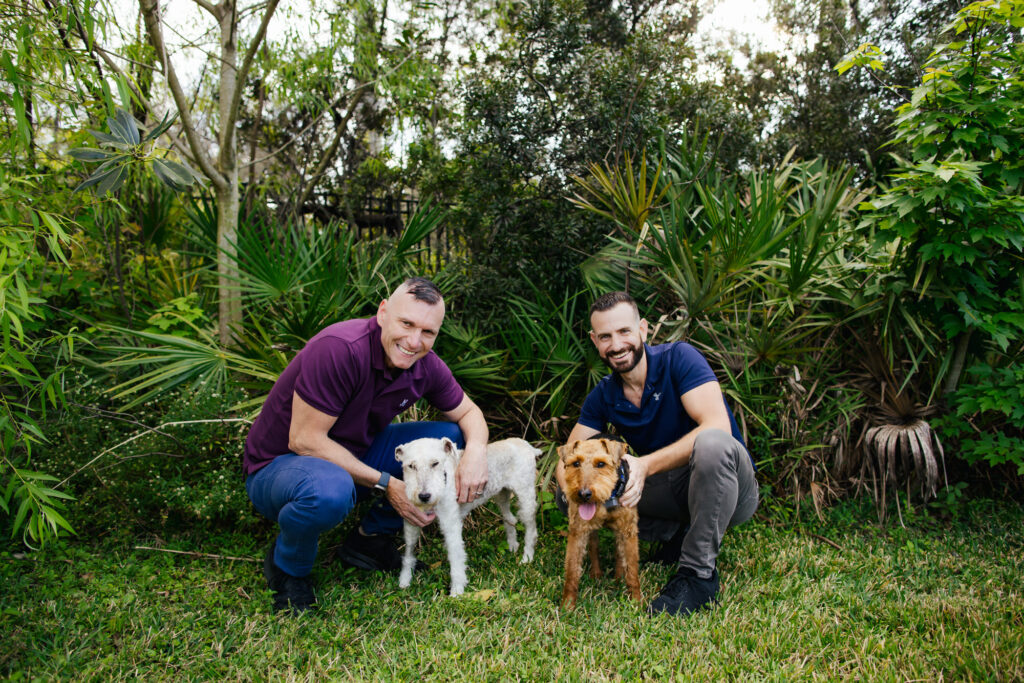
[{"x": 381, "y": 487}]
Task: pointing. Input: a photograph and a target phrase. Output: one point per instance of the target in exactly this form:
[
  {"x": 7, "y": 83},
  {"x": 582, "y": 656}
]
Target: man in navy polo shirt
[
  {"x": 324, "y": 438},
  {"x": 693, "y": 468}
]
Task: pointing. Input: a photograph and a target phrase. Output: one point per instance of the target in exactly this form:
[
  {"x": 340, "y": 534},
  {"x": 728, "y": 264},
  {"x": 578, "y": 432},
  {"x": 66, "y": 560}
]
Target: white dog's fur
[{"x": 428, "y": 470}]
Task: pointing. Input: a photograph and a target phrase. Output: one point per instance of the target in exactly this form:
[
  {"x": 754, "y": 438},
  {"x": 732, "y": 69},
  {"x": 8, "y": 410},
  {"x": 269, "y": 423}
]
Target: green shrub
[
  {"x": 169, "y": 463},
  {"x": 986, "y": 417}
]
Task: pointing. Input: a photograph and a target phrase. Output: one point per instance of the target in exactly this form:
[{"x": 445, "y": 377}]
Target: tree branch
[
  {"x": 243, "y": 72},
  {"x": 150, "y": 14},
  {"x": 207, "y": 6},
  {"x": 328, "y": 156},
  {"x": 97, "y": 53},
  {"x": 146, "y": 104},
  {"x": 334, "y": 103}
]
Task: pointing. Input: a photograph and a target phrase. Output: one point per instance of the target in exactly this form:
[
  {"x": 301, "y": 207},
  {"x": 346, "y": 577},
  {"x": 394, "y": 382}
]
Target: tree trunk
[
  {"x": 223, "y": 173},
  {"x": 956, "y": 368},
  {"x": 230, "y": 305}
]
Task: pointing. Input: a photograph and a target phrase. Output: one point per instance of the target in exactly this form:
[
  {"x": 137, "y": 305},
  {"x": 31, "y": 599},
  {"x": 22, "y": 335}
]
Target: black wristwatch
[{"x": 381, "y": 487}]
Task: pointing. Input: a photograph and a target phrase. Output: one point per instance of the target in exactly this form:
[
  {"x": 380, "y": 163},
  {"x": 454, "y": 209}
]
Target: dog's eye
[
  {"x": 599, "y": 465},
  {"x": 411, "y": 467},
  {"x": 433, "y": 465},
  {"x": 577, "y": 464}
]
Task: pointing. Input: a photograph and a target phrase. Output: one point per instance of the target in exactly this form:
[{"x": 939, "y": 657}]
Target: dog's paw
[
  {"x": 404, "y": 579},
  {"x": 527, "y": 557},
  {"x": 457, "y": 590}
]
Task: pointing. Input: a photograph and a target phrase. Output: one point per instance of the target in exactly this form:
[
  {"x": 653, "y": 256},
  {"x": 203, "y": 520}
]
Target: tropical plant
[
  {"x": 293, "y": 282},
  {"x": 551, "y": 362},
  {"x": 127, "y": 148},
  {"x": 954, "y": 213}
]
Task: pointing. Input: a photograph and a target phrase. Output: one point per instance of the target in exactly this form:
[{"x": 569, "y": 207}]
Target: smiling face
[
  {"x": 619, "y": 335},
  {"x": 408, "y": 327}
]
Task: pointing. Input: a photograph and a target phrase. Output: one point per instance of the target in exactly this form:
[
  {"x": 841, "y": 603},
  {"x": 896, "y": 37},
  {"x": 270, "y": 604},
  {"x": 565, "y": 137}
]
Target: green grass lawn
[{"x": 833, "y": 599}]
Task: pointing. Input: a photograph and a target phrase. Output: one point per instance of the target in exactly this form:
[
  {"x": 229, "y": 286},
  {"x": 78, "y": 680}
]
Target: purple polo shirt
[{"x": 341, "y": 371}]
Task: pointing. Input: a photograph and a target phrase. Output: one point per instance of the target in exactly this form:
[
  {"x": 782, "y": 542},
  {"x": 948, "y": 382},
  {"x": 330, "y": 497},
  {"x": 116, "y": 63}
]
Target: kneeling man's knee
[
  {"x": 714, "y": 447},
  {"x": 333, "y": 503}
]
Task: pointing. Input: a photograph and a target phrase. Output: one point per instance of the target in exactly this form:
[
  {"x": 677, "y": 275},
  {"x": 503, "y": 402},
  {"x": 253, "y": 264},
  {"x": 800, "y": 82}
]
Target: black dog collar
[{"x": 620, "y": 486}]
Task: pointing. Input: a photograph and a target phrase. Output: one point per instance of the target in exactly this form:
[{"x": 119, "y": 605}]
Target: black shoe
[
  {"x": 686, "y": 593},
  {"x": 378, "y": 553},
  {"x": 291, "y": 593}
]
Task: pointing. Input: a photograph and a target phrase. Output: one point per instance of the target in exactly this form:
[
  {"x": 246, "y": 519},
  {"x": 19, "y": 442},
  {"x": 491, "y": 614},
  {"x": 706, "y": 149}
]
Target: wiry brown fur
[{"x": 591, "y": 472}]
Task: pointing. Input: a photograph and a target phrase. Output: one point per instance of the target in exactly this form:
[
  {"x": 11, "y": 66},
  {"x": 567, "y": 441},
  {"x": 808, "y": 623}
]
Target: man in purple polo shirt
[
  {"x": 694, "y": 478},
  {"x": 324, "y": 438}
]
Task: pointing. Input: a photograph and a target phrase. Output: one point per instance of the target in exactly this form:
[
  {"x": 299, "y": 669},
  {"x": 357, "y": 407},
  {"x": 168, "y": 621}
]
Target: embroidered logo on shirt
[
  {"x": 657, "y": 396},
  {"x": 403, "y": 403}
]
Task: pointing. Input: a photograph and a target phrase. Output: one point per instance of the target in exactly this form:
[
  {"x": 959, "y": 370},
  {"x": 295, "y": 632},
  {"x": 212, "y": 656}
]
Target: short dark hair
[
  {"x": 423, "y": 289},
  {"x": 610, "y": 300}
]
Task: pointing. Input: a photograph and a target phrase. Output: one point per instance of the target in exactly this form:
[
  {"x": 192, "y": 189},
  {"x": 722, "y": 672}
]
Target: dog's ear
[
  {"x": 399, "y": 454},
  {"x": 614, "y": 448},
  {"x": 564, "y": 451},
  {"x": 449, "y": 448}
]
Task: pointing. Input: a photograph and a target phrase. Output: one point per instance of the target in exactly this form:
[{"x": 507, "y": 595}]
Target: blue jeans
[{"x": 307, "y": 496}]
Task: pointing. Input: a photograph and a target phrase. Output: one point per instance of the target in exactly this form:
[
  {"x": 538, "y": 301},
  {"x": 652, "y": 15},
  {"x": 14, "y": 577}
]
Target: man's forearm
[
  {"x": 330, "y": 450},
  {"x": 474, "y": 429}
]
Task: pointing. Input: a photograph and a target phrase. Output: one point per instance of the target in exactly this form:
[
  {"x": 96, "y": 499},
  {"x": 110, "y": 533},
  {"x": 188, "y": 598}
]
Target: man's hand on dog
[
  {"x": 409, "y": 512},
  {"x": 635, "y": 485},
  {"x": 471, "y": 476}
]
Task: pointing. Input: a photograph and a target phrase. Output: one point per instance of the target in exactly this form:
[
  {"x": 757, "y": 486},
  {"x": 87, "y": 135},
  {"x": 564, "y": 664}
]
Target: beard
[{"x": 630, "y": 360}]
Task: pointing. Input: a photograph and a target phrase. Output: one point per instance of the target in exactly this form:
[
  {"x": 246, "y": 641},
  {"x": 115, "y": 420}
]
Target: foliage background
[
  {"x": 836, "y": 224},
  {"x": 843, "y": 243}
]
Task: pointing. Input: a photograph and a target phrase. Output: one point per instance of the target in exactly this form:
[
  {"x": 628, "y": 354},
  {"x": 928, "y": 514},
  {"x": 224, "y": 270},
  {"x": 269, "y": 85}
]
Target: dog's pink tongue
[{"x": 587, "y": 510}]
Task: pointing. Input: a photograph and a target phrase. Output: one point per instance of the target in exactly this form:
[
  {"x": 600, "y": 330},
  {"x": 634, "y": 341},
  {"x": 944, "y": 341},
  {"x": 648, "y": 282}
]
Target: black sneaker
[
  {"x": 291, "y": 593},
  {"x": 686, "y": 593},
  {"x": 378, "y": 553}
]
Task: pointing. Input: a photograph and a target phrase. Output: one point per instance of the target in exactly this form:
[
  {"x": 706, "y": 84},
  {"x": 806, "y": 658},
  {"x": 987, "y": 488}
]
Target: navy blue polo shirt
[{"x": 672, "y": 370}]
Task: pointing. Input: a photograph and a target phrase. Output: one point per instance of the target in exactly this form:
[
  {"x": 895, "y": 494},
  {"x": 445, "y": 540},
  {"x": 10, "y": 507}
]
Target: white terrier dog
[{"x": 428, "y": 470}]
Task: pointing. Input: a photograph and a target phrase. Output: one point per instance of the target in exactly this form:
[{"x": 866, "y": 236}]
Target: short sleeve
[
  {"x": 325, "y": 378},
  {"x": 593, "y": 413},
  {"x": 443, "y": 392},
  {"x": 690, "y": 369}
]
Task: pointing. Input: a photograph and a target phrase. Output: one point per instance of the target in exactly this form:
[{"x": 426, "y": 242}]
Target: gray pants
[{"x": 714, "y": 491}]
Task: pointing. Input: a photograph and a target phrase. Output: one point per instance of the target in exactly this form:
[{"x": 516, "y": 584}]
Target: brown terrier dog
[{"x": 595, "y": 475}]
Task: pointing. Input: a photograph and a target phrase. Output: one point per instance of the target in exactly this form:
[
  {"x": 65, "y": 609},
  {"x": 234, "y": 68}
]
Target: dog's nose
[
  {"x": 425, "y": 497},
  {"x": 585, "y": 494}
]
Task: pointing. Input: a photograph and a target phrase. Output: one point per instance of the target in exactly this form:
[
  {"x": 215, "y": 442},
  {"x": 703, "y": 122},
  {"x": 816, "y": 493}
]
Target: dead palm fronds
[
  {"x": 903, "y": 452},
  {"x": 898, "y": 445}
]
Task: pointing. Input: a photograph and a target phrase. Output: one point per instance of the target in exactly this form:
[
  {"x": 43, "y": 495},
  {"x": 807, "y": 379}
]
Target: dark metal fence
[{"x": 389, "y": 216}]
